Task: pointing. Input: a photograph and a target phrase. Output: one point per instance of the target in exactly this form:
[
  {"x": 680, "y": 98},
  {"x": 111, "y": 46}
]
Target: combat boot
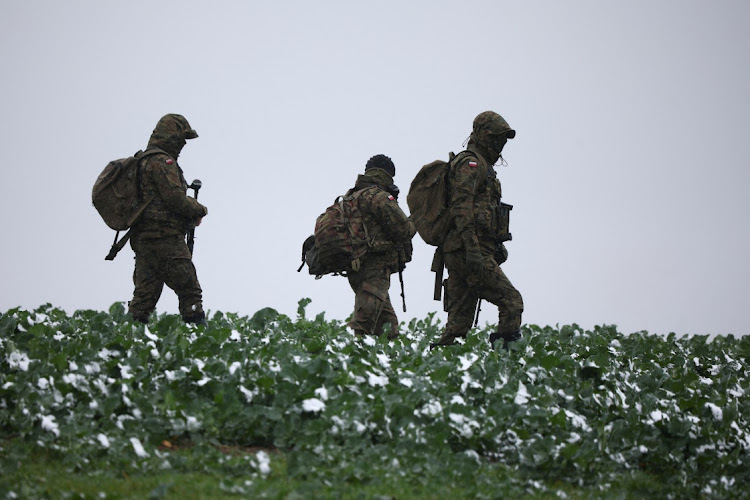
[
  {"x": 506, "y": 337},
  {"x": 444, "y": 341},
  {"x": 138, "y": 319},
  {"x": 198, "y": 319}
]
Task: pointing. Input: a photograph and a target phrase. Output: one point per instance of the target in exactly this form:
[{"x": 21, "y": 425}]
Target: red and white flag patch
[
  {"x": 170, "y": 161},
  {"x": 472, "y": 163}
]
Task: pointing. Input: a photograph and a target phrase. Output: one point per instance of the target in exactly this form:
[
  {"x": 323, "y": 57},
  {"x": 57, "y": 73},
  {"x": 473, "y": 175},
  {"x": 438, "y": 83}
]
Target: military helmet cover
[
  {"x": 494, "y": 123},
  {"x": 171, "y": 125}
]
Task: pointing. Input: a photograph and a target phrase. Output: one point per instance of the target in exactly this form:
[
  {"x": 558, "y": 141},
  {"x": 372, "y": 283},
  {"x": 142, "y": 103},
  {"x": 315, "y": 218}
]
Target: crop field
[{"x": 269, "y": 406}]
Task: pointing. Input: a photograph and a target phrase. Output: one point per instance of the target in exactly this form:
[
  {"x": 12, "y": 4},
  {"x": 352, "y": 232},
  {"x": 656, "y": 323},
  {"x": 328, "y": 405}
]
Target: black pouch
[{"x": 503, "y": 222}]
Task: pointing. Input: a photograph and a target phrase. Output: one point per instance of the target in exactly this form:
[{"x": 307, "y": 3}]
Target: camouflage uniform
[
  {"x": 472, "y": 249},
  {"x": 390, "y": 232},
  {"x": 158, "y": 237}
]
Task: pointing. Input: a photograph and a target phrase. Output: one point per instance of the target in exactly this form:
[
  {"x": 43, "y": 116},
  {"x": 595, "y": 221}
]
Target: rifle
[
  {"x": 437, "y": 267},
  {"x": 118, "y": 244},
  {"x": 479, "y": 308},
  {"x": 403, "y": 295},
  {"x": 195, "y": 186},
  {"x": 401, "y": 267}
]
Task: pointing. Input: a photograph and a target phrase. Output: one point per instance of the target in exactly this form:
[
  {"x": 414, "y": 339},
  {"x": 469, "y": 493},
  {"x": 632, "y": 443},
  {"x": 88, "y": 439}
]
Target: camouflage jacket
[
  {"x": 474, "y": 203},
  {"x": 389, "y": 229},
  {"x": 171, "y": 212}
]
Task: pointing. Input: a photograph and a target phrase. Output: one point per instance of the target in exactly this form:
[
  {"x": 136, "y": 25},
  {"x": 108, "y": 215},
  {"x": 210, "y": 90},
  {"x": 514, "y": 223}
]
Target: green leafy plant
[{"x": 562, "y": 409}]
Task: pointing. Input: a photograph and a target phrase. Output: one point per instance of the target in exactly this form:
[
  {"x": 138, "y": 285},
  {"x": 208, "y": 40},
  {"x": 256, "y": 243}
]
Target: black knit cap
[{"x": 383, "y": 163}]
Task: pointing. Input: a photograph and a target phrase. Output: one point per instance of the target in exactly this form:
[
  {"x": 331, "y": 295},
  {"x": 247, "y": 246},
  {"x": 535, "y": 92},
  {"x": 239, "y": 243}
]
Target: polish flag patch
[
  {"x": 390, "y": 197},
  {"x": 170, "y": 161},
  {"x": 472, "y": 163}
]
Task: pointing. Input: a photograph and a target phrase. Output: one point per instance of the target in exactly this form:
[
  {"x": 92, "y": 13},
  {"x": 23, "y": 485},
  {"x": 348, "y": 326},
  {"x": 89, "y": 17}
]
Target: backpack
[
  {"x": 429, "y": 201},
  {"x": 117, "y": 194},
  {"x": 340, "y": 239}
]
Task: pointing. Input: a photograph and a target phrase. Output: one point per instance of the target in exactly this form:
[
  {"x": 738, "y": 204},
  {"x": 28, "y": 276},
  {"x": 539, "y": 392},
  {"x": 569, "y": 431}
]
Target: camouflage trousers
[
  {"x": 160, "y": 261},
  {"x": 372, "y": 304},
  {"x": 461, "y": 298}
]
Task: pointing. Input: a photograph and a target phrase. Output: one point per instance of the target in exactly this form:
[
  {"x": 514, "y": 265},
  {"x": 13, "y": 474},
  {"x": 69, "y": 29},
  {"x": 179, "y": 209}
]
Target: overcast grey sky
[{"x": 628, "y": 176}]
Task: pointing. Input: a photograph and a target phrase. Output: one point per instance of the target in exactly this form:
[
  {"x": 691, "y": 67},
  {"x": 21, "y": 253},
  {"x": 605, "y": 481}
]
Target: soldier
[
  {"x": 158, "y": 237},
  {"x": 390, "y": 233},
  {"x": 473, "y": 250}
]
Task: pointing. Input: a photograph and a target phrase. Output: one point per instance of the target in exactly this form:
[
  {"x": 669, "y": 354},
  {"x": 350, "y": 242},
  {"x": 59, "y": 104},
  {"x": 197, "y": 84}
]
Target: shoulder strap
[
  {"x": 452, "y": 160},
  {"x": 151, "y": 151},
  {"x": 356, "y": 193},
  {"x": 142, "y": 155}
]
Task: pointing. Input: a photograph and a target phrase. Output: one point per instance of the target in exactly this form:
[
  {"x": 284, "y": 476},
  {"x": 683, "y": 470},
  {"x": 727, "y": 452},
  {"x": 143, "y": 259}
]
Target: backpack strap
[
  {"x": 452, "y": 160},
  {"x": 142, "y": 155}
]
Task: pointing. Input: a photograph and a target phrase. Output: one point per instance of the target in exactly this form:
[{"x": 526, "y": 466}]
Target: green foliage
[{"x": 563, "y": 410}]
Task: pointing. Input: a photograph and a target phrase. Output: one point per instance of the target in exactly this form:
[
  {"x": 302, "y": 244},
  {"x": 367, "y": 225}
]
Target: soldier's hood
[
  {"x": 374, "y": 177},
  {"x": 170, "y": 134}
]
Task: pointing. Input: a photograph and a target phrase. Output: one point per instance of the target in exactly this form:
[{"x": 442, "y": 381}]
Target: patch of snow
[
  {"x": 313, "y": 404},
  {"x": 192, "y": 423},
  {"x": 19, "y": 360},
  {"x": 457, "y": 400},
  {"x": 274, "y": 366},
  {"x": 432, "y": 408},
  {"x": 49, "y": 424},
  {"x": 149, "y": 335},
  {"x": 467, "y": 361},
  {"x": 247, "y": 393},
  {"x": 522, "y": 396},
  {"x": 138, "y": 447},
  {"x": 384, "y": 360},
  {"x": 464, "y": 424},
  {"x": 322, "y": 392},
  {"x": 377, "y": 380},
  {"x": 125, "y": 371},
  {"x": 717, "y": 412},
  {"x": 264, "y": 462},
  {"x": 103, "y": 440}
]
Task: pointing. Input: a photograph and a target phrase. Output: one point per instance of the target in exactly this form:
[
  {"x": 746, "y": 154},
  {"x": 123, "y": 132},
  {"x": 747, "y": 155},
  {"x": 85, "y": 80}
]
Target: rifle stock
[
  {"x": 438, "y": 265},
  {"x": 117, "y": 246}
]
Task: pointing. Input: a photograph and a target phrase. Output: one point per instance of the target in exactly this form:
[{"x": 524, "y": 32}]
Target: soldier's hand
[
  {"x": 408, "y": 251},
  {"x": 501, "y": 253},
  {"x": 198, "y": 222},
  {"x": 474, "y": 265}
]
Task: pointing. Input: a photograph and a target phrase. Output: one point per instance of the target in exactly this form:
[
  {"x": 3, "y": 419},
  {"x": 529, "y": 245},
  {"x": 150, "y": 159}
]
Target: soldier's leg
[
  {"x": 388, "y": 319},
  {"x": 180, "y": 276},
  {"x": 370, "y": 299},
  {"x": 497, "y": 289},
  {"x": 147, "y": 280},
  {"x": 460, "y": 299}
]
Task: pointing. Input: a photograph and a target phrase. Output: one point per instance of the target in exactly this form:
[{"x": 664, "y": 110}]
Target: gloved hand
[
  {"x": 394, "y": 191},
  {"x": 404, "y": 255},
  {"x": 474, "y": 265},
  {"x": 501, "y": 253}
]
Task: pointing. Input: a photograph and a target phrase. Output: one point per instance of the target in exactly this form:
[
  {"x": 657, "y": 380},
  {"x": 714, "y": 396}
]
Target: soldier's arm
[
  {"x": 165, "y": 175},
  {"x": 465, "y": 179},
  {"x": 391, "y": 218}
]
